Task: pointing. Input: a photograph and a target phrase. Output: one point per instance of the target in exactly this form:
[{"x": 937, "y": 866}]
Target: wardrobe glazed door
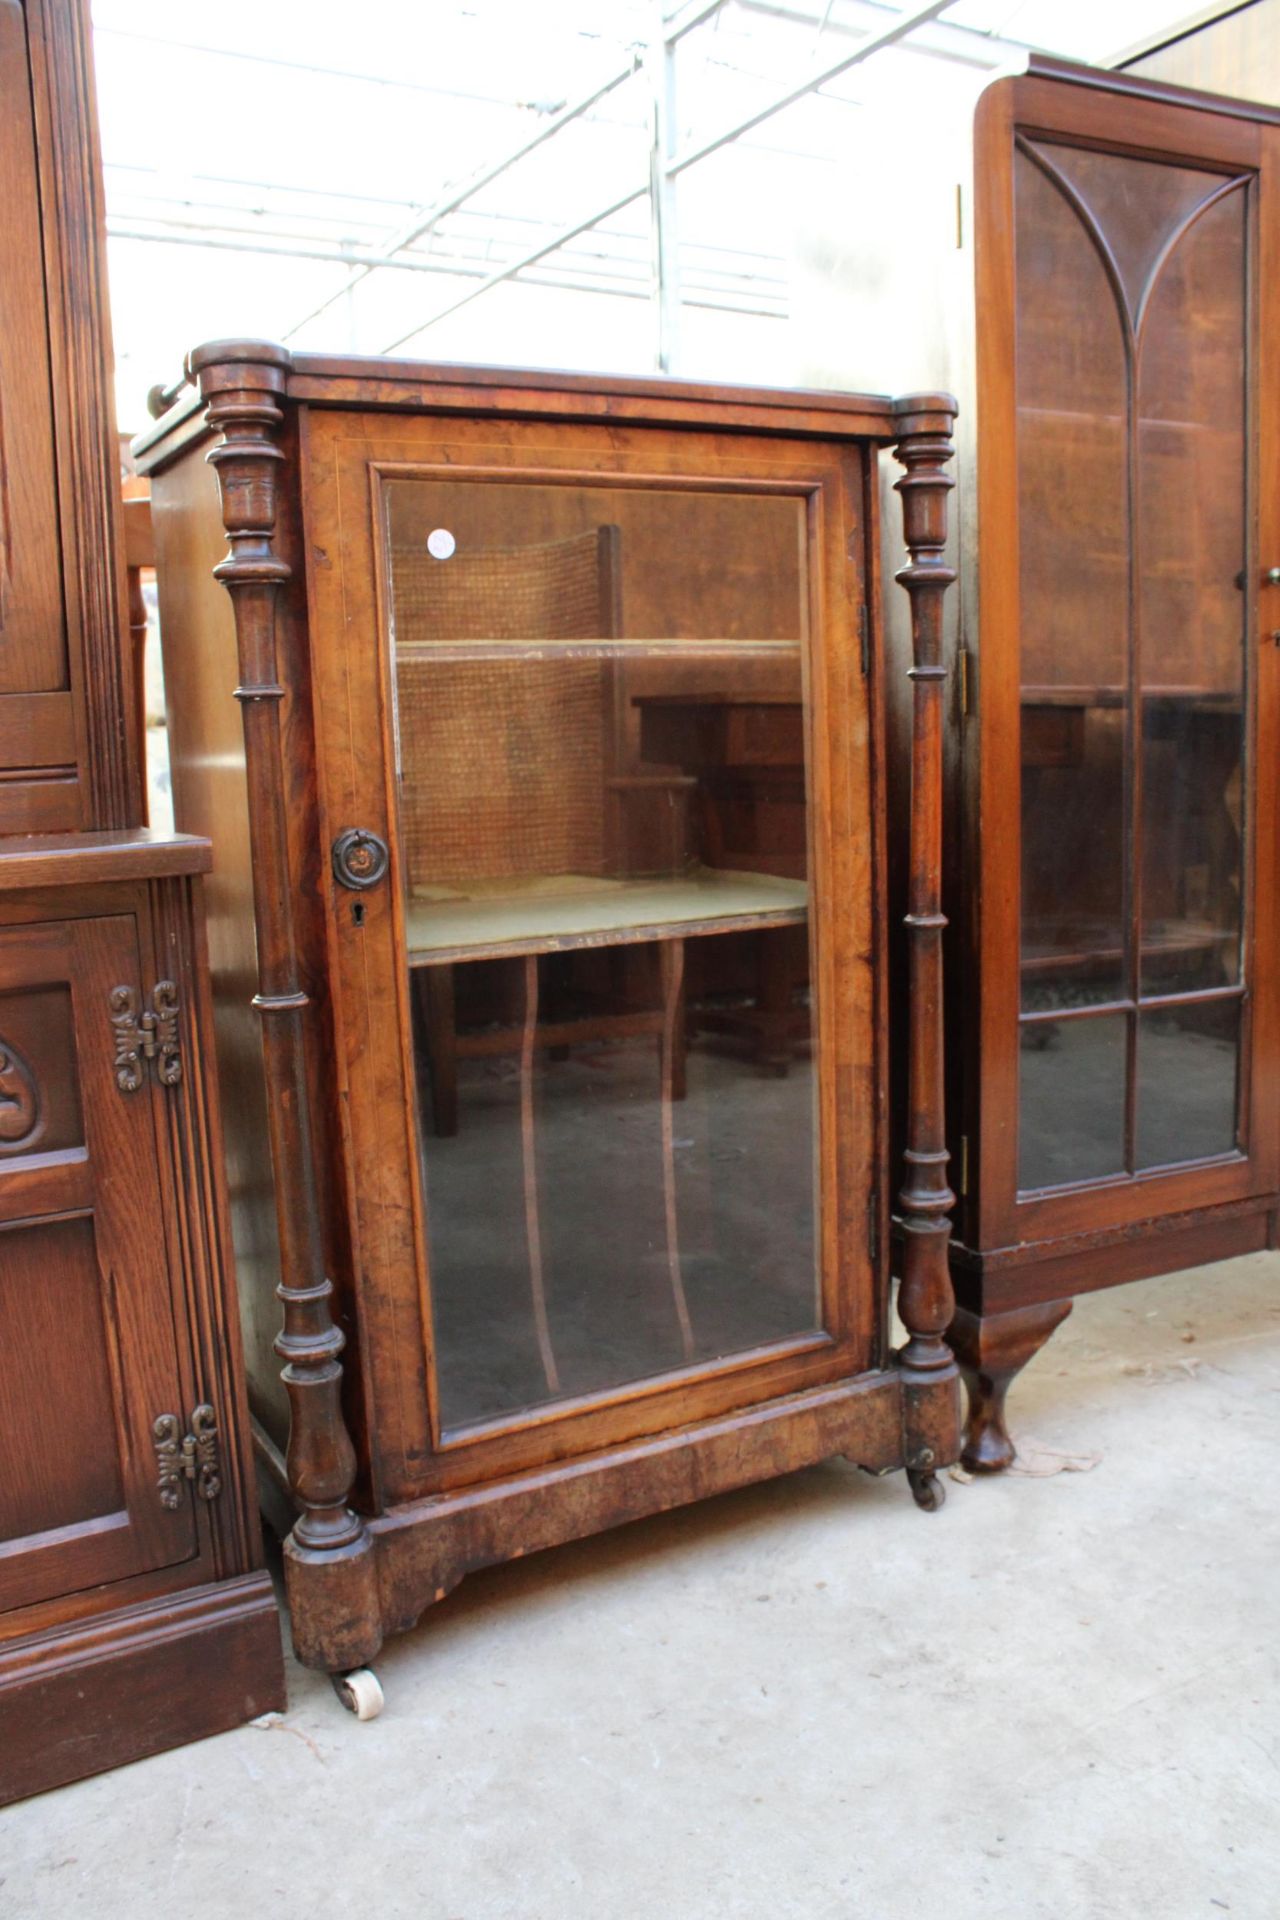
[
  {"x": 88, "y": 1335},
  {"x": 1128, "y": 684},
  {"x": 596, "y": 758}
]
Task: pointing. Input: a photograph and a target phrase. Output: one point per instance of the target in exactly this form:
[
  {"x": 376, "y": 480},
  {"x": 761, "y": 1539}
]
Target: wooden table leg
[
  {"x": 436, "y": 988},
  {"x": 529, "y": 1149},
  {"x": 671, "y": 955}
]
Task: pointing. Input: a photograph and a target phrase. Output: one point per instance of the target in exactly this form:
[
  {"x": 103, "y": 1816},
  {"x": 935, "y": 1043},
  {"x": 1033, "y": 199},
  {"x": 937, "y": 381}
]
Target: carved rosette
[
  {"x": 241, "y": 384},
  {"x": 923, "y": 425}
]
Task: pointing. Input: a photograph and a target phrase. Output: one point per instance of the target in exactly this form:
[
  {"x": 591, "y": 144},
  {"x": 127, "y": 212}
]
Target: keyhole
[{"x": 357, "y": 913}]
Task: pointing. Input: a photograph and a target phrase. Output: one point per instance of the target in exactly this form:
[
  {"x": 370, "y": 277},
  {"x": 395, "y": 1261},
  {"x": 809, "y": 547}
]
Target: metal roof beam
[
  {"x": 514, "y": 267},
  {"x": 422, "y": 224},
  {"x": 626, "y": 286},
  {"x": 943, "y": 40},
  {"x": 904, "y": 24},
  {"x": 677, "y": 23}
]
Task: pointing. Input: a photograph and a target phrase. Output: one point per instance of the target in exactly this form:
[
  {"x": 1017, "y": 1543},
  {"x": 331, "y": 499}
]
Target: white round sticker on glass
[{"x": 441, "y": 543}]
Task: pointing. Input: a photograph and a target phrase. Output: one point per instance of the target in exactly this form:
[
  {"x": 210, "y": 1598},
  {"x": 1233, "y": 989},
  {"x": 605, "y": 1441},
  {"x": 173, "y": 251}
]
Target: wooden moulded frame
[
  {"x": 350, "y": 464},
  {"x": 428, "y": 1507}
]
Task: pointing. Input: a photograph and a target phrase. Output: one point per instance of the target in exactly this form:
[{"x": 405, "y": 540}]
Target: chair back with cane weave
[{"x": 504, "y": 764}]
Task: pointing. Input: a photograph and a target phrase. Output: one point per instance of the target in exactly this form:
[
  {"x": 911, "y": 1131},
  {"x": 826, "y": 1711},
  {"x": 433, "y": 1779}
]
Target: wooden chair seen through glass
[{"x": 601, "y": 725}]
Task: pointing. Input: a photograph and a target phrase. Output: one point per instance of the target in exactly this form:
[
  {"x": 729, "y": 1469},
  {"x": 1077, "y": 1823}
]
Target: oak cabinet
[
  {"x": 134, "y": 1609},
  {"x": 1112, "y": 739},
  {"x": 558, "y": 812},
  {"x": 68, "y": 754}
]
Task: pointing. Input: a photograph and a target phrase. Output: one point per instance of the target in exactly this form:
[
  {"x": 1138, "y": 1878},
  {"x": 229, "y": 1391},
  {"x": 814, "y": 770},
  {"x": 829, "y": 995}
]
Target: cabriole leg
[{"x": 992, "y": 1350}]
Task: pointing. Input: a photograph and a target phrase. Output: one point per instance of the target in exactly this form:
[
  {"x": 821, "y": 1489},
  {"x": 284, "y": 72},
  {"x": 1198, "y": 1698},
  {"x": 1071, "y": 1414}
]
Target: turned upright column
[
  {"x": 328, "y": 1556},
  {"x": 923, "y": 424}
]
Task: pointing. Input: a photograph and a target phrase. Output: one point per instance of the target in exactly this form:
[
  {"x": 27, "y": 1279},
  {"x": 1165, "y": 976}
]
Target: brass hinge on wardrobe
[
  {"x": 189, "y": 1456},
  {"x": 151, "y": 1034}
]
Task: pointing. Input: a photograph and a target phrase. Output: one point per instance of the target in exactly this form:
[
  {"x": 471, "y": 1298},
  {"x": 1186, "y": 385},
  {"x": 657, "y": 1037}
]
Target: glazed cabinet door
[
  {"x": 89, "y": 1346},
  {"x": 1129, "y": 684},
  {"x": 597, "y": 761}
]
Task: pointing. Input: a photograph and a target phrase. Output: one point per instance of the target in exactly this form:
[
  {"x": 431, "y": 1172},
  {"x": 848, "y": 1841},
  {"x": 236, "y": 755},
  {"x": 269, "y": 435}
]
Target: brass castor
[{"x": 927, "y": 1490}]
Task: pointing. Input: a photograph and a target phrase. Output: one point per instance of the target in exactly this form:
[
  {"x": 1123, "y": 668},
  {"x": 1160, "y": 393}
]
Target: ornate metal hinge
[
  {"x": 193, "y": 1456},
  {"x": 151, "y": 1035}
]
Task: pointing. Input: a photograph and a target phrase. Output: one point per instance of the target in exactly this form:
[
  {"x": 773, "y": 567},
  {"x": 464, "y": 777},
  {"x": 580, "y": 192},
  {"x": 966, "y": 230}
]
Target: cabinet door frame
[
  {"x": 346, "y": 457},
  {"x": 112, "y": 1182},
  {"x": 1154, "y": 129}
]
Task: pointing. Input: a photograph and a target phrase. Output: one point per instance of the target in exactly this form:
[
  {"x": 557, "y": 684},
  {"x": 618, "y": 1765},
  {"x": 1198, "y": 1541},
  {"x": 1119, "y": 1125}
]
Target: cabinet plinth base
[
  {"x": 114, "y": 1687},
  {"x": 420, "y": 1551}
]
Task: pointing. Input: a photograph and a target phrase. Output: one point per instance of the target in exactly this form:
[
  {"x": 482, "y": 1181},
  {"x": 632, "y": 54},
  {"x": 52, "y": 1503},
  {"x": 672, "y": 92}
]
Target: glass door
[
  {"x": 600, "y": 737},
  {"x": 610, "y": 1023},
  {"x": 1133, "y": 390}
]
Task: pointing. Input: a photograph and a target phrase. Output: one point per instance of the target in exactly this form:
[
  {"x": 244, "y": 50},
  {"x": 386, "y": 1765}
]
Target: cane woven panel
[{"x": 503, "y": 764}]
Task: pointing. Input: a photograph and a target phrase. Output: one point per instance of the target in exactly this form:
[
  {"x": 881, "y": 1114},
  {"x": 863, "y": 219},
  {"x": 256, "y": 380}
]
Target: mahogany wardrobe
[
  {"x": 135, "y": 1612},
  {"x": 1101, "y": 254}
]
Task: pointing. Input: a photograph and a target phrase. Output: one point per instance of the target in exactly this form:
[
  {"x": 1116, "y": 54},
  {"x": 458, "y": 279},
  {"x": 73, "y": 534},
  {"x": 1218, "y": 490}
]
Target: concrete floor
[{"x": 1056, "y": 1698}]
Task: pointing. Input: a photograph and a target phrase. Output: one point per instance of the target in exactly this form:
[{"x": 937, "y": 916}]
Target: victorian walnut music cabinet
[
  {"x": 553, "y": 848},
  {"x": 1112, "y": 737},
  {"x": 134, "y": 1609}
]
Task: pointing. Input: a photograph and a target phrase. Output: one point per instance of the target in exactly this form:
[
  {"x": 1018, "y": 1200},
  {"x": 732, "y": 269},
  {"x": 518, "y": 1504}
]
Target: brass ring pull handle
[{"x": 360, "y": 859}]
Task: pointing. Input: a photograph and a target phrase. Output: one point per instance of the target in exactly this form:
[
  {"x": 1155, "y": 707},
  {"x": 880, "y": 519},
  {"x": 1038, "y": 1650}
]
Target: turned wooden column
[
  {"x": 241, "y": 384},
  {"x": 925, "y": 1299}
]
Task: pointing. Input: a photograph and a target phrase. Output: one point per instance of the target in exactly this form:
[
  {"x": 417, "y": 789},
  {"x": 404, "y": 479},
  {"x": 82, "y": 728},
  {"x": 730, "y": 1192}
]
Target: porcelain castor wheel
[{"x": 360, "y": 1692}]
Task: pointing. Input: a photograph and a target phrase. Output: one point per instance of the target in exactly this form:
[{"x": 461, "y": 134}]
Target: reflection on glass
[
  {"x": 1073, "y": 513},
  {"x": 1191, "y": 844},
  {"x": 1187, "y": 1081},
  {"x": 601, "y": 741},
  {"x": 1193, "y": 549},
  {"x": 1131, "y": 384},
  {"x": 1071, "y": 1100}
]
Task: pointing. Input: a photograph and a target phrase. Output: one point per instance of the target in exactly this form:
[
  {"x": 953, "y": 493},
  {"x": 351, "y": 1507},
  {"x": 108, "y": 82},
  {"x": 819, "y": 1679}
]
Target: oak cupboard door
[{"x": 88, "y": 1329}]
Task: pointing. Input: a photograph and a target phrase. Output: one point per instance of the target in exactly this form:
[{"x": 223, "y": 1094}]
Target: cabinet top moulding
[
  {"x": 428, "y": 387},
  {"x": 67, "y": 859},
  {"x": 1138, "y": 87}
]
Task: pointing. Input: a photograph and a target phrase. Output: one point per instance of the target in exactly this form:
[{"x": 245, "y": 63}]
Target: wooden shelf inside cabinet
[
  {"x": 1193, "y": 698},
  {"x": 1167, "y": 940},
  {"x": 556, "y": 914}
]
